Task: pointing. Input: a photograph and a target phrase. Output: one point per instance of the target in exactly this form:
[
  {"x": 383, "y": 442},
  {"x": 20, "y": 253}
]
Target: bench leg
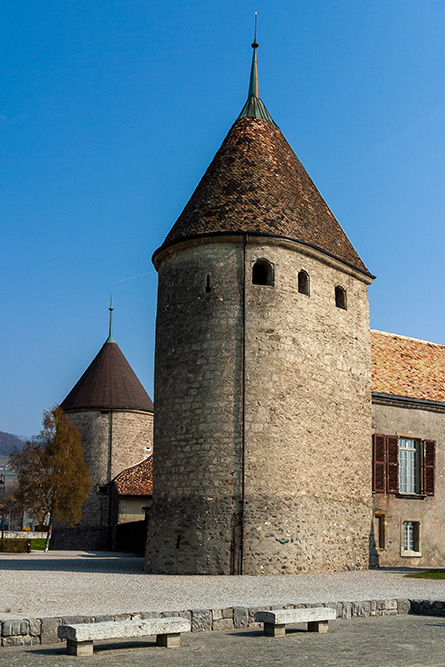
[
  {"x": 79, "y": 648},
  {"x": 169, "y": 641},
  {"x": 317, "y": 626},
  {"x": 272, "y": 630}
]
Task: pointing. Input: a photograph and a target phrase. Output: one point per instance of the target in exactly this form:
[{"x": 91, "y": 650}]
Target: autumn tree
[{"x": 52, "y": 475}]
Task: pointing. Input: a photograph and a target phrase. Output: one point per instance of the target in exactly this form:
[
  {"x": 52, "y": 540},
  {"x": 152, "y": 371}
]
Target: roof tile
[
  {"x": 109, "y": 382},
  {"x": 407, "y": 367},
  {"x": 137, "y": 480},
  {"x": 257, "y": 185}
]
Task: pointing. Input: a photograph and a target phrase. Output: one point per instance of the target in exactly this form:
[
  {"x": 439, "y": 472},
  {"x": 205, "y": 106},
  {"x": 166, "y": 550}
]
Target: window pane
[
  {"x": 408, "y": 536},
  {"x": 408, "y": 456}
]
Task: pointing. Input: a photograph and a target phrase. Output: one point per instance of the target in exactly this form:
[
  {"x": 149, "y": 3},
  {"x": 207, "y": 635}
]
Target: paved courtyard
[
  {"x": 95, "y": 583},
  {"x": 395, "y": 641}
]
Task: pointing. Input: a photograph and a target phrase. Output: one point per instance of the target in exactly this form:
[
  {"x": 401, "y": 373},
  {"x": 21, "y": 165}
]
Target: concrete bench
[
  {"x": 275, "y": 621},
  {"x": 80, "y": 637}
]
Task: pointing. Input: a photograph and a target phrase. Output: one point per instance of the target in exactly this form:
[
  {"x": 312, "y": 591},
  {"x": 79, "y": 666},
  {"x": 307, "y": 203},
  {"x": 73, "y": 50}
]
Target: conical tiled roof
[
  {"x": 257, "y": 185},
  {"x": 109, "y": 382}
]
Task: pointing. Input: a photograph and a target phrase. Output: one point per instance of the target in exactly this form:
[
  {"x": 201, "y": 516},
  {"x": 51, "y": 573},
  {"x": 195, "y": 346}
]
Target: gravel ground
[{"x": 70, "y": 583}]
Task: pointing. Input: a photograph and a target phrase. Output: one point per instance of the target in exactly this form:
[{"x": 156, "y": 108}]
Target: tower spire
[
  {"x": 254, "y": 107},
  {"x": 110, "y": 338}
]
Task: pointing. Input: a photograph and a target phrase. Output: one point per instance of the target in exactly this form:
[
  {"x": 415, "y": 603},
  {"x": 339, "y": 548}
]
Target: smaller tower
[{"x": 115, "y": 416}]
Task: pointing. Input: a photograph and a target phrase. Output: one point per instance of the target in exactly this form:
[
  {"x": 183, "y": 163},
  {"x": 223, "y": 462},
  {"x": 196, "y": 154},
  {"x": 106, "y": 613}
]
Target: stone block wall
[
  {"x": 32, "y": 631},
  {"x": 307, "y": 415},
  {"x": 113, "y": 440},
  {"x": 197, "y": 476}
]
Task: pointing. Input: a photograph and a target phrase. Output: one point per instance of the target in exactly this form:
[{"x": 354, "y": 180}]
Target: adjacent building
[{"x": 408, "y": 424}]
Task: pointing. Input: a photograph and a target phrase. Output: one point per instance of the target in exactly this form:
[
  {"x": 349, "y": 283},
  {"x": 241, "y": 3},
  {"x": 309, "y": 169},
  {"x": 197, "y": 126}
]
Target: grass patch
[
  {"x": 38, "y": 543},
  {"x": 429, "y": 574}
]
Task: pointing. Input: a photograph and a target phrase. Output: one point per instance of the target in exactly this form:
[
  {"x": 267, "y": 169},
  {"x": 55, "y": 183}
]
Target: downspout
[
  {"x": 243, "y": 406},
  {"x": 110, "y": 451}
]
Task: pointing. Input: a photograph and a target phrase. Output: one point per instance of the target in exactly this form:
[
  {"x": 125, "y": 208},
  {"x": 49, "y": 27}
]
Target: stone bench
[
  {"x": 275, "y": 621},
  {"x": 80, "y": 637}
]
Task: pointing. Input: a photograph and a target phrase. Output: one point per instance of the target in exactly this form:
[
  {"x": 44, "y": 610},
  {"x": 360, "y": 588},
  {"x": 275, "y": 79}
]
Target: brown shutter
[
  {"x": 392, "y": 464},
  {"x": 428, "y": 467},
  {"x": 378, "y": 463}
]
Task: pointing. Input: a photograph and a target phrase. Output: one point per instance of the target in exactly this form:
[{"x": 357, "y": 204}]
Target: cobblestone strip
[{"x": 30, "y": 631}]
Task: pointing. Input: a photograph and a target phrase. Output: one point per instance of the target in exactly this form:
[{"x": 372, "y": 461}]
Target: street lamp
[{"x": 3, "y": 487}]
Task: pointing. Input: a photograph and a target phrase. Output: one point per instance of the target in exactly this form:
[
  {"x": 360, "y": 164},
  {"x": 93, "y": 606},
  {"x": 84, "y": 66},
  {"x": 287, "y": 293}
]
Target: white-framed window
[
  {"x": 409, "y": 465},
  {"x": 410, "y": 538}
]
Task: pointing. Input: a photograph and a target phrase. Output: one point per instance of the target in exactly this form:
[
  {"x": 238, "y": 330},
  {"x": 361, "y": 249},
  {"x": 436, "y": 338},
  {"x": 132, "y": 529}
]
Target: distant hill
[{"x": 8, "y": 442}]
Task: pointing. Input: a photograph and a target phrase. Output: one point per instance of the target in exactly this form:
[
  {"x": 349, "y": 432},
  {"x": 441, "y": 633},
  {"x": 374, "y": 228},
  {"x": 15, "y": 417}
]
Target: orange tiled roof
[
  {"x": 137, "y": 480},
  {"x": 408, "y": 367}
]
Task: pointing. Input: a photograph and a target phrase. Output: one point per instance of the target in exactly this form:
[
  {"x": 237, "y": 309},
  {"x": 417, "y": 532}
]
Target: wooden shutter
[
  {"x": 378, "y": 463},
  {"x": 429, "y": 467},
  {"x": 392, "y": 464}
]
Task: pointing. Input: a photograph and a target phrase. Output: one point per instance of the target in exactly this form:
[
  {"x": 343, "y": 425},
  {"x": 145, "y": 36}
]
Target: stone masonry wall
[
  {"x": 307, "y": 414},
  {"x": 429, "y": 510},
  {"x": 131, "y": 435},
  {"x": 197, "y": 476},
  {"x": 33, "y": 631},
  {"x": 132, "y": 439}
]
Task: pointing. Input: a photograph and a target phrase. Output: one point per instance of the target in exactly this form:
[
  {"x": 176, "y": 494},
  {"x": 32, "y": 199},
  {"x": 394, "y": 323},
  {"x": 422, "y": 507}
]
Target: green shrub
[{"x": 15, "y": 545}]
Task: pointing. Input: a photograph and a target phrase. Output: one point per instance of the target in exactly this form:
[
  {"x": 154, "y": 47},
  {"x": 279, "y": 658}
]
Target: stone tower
[
  {"x": 115, "y": 416},
  {"x": 262, "y": 371}
]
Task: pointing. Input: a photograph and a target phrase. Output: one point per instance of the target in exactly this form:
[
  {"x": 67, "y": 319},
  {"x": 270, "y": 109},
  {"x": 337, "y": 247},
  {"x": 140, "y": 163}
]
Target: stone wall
[
  {"x": 32, "y": 631},
  {"x": 113, "y": 440},
  {"x": 422, "y": 424},
  {"x": 307, "y": 415}
]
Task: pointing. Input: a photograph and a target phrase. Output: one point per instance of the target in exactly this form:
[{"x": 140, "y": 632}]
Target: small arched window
[
  {"x": 304, "y": 283},
  {"x": 340, "y": 297},
  {"x": 262, "y": 272}
]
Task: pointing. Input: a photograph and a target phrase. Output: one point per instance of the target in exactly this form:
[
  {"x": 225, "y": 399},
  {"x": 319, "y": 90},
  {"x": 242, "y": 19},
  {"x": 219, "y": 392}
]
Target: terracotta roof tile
[
  {"x": 407, "y": 367},
  {"x": 256, "y": 184},
  {"x": 137, "y": 480},
  {"x": 108, "y": 382}
]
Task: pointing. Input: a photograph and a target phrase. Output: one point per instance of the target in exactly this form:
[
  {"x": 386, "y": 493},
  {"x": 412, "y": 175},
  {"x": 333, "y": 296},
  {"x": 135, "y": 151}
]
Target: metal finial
[
  {"x": 255, "y": 44},
  {"x": 254, "y": 107},
  {"x": 110, "y": 332}
]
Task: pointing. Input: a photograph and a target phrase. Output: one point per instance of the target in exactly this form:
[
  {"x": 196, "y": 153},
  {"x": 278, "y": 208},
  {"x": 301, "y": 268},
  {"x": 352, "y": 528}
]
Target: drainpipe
[
  {"x": 243, "y": 406},
  {"x": 110, "y": 451}
]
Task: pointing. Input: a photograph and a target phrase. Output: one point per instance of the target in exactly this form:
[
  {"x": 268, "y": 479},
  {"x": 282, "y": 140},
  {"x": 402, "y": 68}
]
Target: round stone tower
[
  {"x": 262, "y": 372},
  {"x": 115, "y": 416}
]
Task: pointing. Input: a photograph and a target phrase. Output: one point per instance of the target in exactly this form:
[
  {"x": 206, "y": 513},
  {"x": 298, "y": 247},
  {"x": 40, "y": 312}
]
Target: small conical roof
[
  {"x": 256, "y": 185},
  {"x": 108, "y": 383}
]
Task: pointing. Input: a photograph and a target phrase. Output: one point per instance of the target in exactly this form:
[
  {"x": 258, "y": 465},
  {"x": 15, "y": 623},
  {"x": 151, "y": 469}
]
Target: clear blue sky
[{"x": 111, "y": 111}]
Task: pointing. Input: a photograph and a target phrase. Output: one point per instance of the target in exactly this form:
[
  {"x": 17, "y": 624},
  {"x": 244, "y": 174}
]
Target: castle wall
[
  {"x": 308, "y": 415},
  {"x": 132, "y": 439},
  {"x": 395, "y": 509},
  {"x": 307, "y": 478},
  {"x": 196, "y": 466},
  {"x": 128, "y": 436}
]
